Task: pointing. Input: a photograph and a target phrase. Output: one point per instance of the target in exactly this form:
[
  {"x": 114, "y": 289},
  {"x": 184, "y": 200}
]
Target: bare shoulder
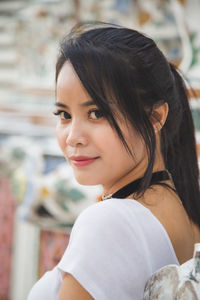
[
  {"x": 71, "y": 289},
  {"x": 168, "y": 209}
]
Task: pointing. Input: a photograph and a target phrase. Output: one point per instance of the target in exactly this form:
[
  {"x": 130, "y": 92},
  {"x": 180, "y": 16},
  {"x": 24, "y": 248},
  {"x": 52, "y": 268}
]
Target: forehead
[
  {"x": 66, "y": 75},
  {"x": 69, "y": 84}
]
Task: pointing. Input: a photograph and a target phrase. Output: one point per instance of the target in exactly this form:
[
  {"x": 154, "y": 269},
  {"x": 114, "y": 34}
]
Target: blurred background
[{"x": 39, "y": 199}]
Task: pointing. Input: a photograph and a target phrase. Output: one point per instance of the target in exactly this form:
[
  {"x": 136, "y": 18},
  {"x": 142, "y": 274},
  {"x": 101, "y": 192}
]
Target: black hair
[{"x": 123, "y": 66}]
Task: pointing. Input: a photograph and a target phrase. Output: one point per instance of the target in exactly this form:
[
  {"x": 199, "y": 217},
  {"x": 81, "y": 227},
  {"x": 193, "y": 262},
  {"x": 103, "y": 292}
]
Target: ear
[{"x": 159, "y": 116}]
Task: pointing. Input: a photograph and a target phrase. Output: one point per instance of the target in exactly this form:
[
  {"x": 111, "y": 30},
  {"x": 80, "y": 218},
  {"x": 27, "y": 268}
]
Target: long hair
[{"x": 122, "y": 66}]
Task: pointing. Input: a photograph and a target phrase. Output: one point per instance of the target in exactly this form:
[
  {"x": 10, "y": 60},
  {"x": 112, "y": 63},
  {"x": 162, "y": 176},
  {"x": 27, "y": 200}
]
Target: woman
[{"x": 123, "y": 122}]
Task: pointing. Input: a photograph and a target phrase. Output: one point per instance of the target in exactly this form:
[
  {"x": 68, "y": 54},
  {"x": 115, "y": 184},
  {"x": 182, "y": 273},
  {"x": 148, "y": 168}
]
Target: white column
[{"x": 25, "y": 258}]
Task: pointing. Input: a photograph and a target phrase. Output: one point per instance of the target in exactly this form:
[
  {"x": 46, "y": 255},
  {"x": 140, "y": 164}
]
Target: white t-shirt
[{"x": 114, "y": 247}]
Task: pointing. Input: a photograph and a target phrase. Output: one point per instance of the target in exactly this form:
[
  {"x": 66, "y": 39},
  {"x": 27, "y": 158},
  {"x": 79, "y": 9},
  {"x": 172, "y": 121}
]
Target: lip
[{"x": 82, "y": 160}]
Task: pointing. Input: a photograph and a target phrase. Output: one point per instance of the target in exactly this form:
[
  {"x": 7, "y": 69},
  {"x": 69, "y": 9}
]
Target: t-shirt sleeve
[{"x": 106, "y": 252}]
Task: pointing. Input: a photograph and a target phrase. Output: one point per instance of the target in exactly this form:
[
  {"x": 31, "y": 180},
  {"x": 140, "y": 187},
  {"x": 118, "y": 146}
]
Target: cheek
[
  {"x": 61, "y": 137},
  {"x": 135, "y": 144},
  {"x": 113, "y": 147},
  {"x": 137, "y": 147}
]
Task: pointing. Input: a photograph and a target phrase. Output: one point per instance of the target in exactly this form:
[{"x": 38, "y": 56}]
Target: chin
[{"x": 83, "y": 180}]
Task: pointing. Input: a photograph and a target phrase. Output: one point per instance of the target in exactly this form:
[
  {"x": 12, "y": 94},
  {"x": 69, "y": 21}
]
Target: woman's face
[{"x": 89, "y": 143}]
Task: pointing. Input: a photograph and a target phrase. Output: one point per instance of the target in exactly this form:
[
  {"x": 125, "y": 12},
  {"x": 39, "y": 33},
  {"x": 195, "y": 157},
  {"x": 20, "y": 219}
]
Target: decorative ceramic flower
[{"x": 174, "y": 282}]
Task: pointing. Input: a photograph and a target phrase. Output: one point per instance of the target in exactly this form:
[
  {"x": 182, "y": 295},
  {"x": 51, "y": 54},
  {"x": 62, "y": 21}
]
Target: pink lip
[{"x": 82, "y": 160}]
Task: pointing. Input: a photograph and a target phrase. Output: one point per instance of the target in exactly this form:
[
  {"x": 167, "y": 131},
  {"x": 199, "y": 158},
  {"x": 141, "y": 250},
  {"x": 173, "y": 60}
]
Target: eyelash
[
  {"x": 59, "y": 112},
  {"x": 96, "y": 110}
]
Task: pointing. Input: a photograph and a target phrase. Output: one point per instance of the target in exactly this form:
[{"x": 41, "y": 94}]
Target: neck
[{"x": 137, "y": 172}]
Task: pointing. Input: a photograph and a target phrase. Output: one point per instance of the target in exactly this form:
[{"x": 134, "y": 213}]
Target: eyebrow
[{"x": 84, "y": 104}]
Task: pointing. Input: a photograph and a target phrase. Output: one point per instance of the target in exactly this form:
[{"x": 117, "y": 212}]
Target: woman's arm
[{"x": 72, "y": 290}]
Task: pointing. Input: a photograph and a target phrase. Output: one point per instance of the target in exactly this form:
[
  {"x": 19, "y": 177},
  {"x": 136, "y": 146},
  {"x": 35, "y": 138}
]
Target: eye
[
  {"x": 95, "y": 114},
  {"x": 62, "y": 114}
]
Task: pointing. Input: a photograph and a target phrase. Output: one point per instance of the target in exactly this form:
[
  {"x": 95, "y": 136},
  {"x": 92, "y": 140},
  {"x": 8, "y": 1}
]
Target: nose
[{"x": 76, "y": 134}]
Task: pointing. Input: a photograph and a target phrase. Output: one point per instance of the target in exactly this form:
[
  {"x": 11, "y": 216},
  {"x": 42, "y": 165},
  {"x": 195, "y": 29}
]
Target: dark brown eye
[
  {"x": 95, "y": 114},
  {"x": 63, "y": 115}
]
